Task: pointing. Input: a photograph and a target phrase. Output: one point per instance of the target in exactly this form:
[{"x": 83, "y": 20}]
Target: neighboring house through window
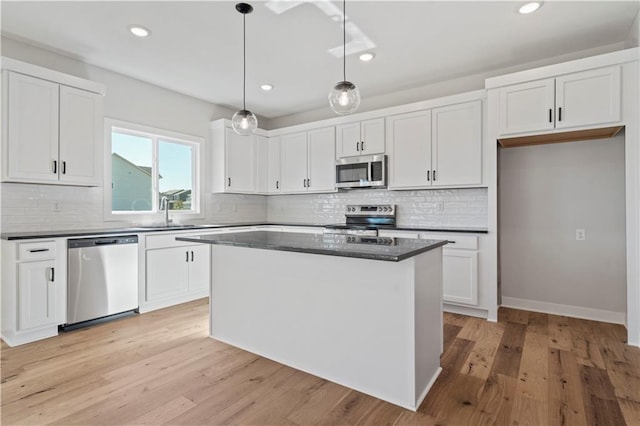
[{"x": 147, "y": 164}]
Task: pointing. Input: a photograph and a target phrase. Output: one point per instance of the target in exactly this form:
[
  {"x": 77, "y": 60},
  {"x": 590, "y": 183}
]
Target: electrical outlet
[
  {"x": 581, "y": 235},
  {"x": 55, "y": 206},
  {"x": 440, "y": 207}
]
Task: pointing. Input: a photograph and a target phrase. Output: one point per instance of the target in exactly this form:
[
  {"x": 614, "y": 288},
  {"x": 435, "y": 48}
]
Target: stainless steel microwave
[{"x": 361, "y": 172}]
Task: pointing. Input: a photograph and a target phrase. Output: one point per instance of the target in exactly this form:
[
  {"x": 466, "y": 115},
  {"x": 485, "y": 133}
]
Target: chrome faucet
[{"x": 164, "y": 205}]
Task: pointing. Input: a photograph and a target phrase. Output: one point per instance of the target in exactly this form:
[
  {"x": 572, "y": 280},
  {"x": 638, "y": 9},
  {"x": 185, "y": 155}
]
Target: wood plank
[
  {"x": 566, "y": 405},
  {"x": 507, "y": 360},
  {"x": 599, "y": 398},
  {"x": 496, "y": 402},
  {"x": 559, "y": 335},
  {"x": 534, "y": 369},
  {"x": 487, "y": 337}
]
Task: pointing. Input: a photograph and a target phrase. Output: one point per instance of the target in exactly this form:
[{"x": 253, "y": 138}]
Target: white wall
[
  {"x": 546, "y": 192},
  {"x": 462, "y": 207},
  {"x": 28, "y": 207}
]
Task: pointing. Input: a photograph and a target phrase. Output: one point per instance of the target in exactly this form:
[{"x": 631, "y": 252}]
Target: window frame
[{"x": 155, "y": 134}]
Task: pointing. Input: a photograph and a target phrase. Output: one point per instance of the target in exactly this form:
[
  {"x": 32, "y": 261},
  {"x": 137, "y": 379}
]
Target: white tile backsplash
[
  {"x": 461, "y": 207},
  {"x": 29, "y": 207}
]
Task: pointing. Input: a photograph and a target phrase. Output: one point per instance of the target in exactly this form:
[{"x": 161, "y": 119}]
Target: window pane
[
  {"x": 175, "y": 162},
  {"x": 131, "y": 179}
]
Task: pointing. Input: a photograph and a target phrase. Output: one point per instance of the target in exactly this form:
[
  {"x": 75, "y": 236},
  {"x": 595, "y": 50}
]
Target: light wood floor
[{"x": 161, "y": 368}]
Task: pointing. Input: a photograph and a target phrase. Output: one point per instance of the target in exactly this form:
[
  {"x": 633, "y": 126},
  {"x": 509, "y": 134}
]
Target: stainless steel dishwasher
[{"x": 102, "y": 279}]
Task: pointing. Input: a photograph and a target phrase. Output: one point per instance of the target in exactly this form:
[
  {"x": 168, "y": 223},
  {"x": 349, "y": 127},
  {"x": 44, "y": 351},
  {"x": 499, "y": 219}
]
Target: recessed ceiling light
[
  {"x": 139, "y": 30},
  {"x": 530, "y": 7},
  {"x": 266, "y": 87},
  {"x": 368, "y": 56}
]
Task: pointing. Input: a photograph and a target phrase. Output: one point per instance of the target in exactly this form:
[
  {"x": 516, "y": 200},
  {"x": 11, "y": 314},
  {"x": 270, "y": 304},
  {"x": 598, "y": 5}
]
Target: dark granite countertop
[
  {"x": 29, "y": 235},
  {"x": 373, "y": 248}
]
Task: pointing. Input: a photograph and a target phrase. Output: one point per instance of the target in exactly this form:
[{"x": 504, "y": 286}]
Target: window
[{"x": 144, "y": 165}]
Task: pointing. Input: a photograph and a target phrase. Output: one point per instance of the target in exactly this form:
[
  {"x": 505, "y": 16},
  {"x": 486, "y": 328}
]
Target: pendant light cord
[
  {"x": 244, "y": 61},
  {"x": 344, "y": 41}
]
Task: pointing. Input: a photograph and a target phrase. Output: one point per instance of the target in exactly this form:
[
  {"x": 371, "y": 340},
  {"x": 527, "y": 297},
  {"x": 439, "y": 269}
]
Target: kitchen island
[{"x": 364, "y": 312}]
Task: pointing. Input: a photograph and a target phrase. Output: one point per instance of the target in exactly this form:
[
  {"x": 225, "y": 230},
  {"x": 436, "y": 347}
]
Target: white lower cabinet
[
  {"x": 459, "y": 265},
  {"x": 33, "y": 289},
  {"x": 175, "y": 272},
  {"x": 37, "y": 289}
]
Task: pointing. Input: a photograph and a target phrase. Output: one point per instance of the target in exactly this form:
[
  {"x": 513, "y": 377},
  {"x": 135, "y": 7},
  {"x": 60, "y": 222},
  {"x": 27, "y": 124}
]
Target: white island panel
[{"x": 370, "y": 325}]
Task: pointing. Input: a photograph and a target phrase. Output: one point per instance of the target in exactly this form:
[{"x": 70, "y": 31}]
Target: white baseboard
[
  {"x": 566, "y": 310},
  {"x": 465, "y": 310}
]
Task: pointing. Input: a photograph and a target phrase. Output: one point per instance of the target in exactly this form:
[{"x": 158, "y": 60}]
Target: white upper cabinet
[
  {"x": 321, "y": 161},
  {"x": 293, "y": 162},
  {"x": 234, "y": 164},
  {"x": 409, "y": 148},
  {"x": 308, "y": 161},
  {"x": 441, "y": 147},
  {"x": 273, "y": 166},
  {"x": 456, "y": 145},
  {"x": 81, "y": 127},
  {"x": 262, "y": 165},
  {"x": 54, "y": 133},
  {"x": 587, "y": 99},
  {"x": 360, "y": 138}
]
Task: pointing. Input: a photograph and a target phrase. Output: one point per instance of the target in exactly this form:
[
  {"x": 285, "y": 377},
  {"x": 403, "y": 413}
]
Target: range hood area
[{"x": 572, "y": 136}]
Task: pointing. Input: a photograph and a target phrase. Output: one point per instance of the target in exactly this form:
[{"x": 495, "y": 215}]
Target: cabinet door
[
  {"x": 526, "y": 107},
  {"x": 456, "y": 145},
  {"x": 293, "y": 162},
  {"x": 32, "y": 145},
  {"x": 409, "y": 143},
  {"x": 372, "y": 132},
  {"x": 262, "y": 166},
  {"x": 199, "y": 268},
  {"x": 460, "y": 276},
  {"x": 240, "y": 158},
  {"x": 36, "y": 294},
  {"x": 273, "y": 166},
  {"x": 588, "y": 98},
  {"x": 81, "y": 136},
  {"x": 348, "y": 140},
  {"x": 322, "y": 163},
  {"x": 167, "y": 271}
]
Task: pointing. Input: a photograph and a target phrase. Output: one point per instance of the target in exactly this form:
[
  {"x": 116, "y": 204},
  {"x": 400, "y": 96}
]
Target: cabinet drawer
[
  {"x": 169, "y": 239},
  {"x": 36, "y": 250},
  {"x": 468, "y": 242}
]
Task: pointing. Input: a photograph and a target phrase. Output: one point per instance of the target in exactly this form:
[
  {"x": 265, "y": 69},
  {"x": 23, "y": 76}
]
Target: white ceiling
[{"x": 196, "y": 47}]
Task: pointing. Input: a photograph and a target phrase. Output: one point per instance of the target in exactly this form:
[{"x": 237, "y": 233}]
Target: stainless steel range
[{"x": 365, "y": 219}]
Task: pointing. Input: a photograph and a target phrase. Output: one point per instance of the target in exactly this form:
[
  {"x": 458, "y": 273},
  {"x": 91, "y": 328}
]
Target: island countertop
[{"x": 373, "y": 248}]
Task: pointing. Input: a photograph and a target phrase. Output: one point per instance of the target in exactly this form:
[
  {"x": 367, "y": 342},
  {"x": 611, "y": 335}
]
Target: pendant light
[
  {"x": 244, "y": 122},
  {"x": 344, "y": 98}
]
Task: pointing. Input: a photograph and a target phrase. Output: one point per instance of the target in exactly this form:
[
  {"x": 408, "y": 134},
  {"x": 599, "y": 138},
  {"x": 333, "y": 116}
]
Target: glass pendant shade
[
  {"x": 244, "y": 122},
  {"x": 344, "y": 98}
]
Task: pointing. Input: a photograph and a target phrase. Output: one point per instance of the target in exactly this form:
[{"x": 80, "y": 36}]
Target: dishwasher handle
[{"x": 105, "y": 242}]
